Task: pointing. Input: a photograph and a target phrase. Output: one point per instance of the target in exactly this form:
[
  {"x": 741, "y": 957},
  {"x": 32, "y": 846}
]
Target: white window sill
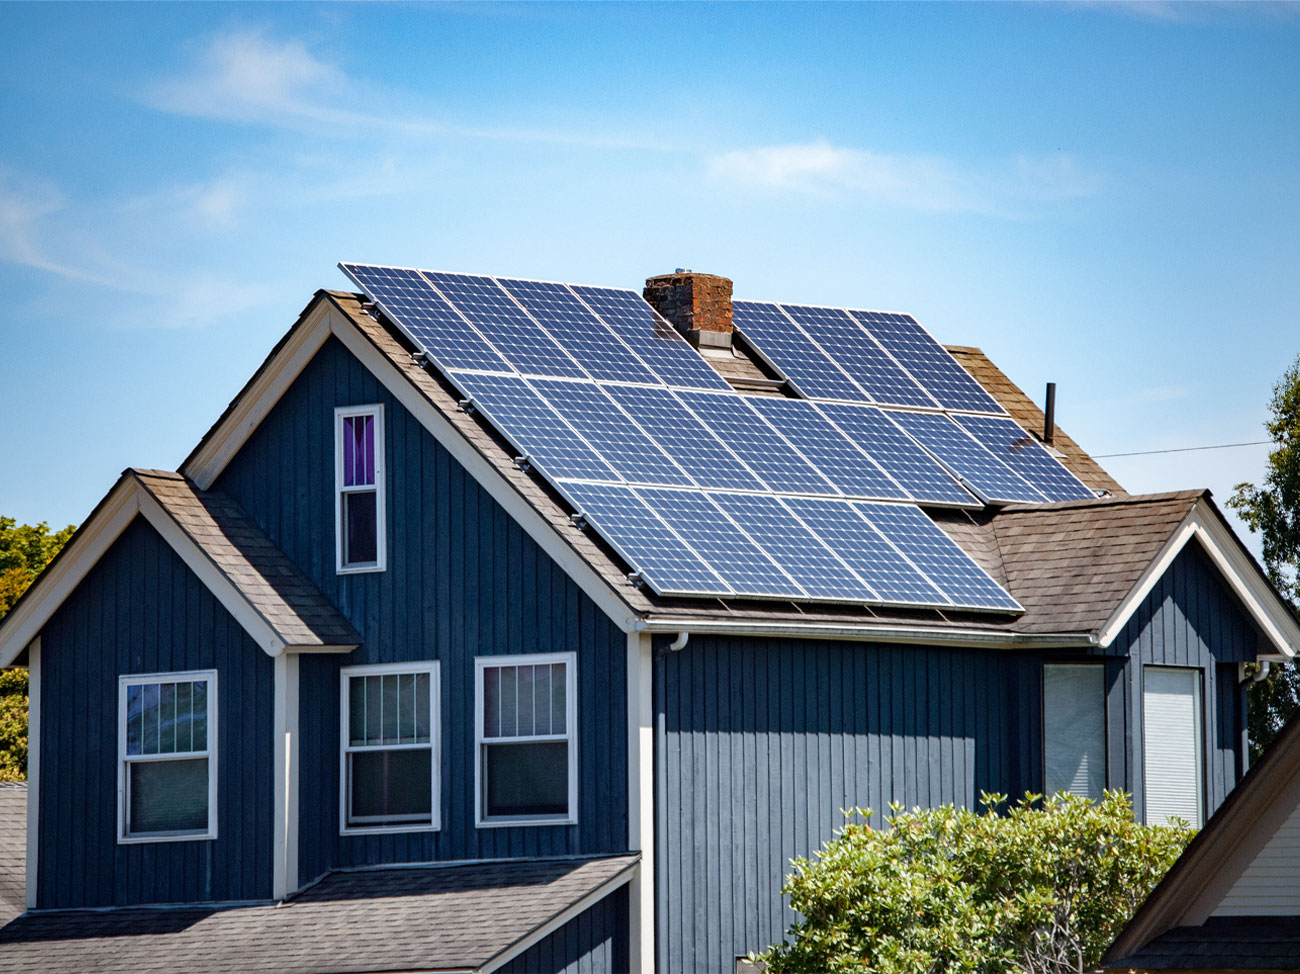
[
  {"x": 165, "y": 837},
  {"x": 387, "y": 829},
  {"x": 511, "y": 823},
  {"x": 359, "y": 569}
]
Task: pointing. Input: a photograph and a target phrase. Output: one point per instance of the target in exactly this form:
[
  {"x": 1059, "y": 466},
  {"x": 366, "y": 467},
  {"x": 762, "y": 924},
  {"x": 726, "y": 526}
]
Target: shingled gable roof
[
  {"x": 1174, "y": 928},
  {"x": 13, "y": 850},
  {"x": 472, "y": 917},
  {"x": 256, "y": 582},
  {"x": 1102, "y": 601}
]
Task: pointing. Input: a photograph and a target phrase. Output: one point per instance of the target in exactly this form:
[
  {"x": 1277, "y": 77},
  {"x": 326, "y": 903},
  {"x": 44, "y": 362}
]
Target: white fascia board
[
  {"x": 1238, "y": 569},
  {"x": 911, "y": 635},
  {"x": 58, "y": 581}
]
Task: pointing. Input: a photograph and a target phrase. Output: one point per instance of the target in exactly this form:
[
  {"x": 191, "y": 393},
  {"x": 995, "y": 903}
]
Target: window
[
  {"x": 527, "y": 749},
  {"x": 1172, "y": 750},
  {"x": 389, "y": 753},
  {"x": 1074, "y": 728},
  {"x": 167, "y": 767},
  {"x": 359, "y": 499}
]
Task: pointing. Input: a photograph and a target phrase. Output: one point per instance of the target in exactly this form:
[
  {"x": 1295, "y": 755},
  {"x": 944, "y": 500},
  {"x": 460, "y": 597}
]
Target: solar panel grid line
[
  {"x": 647, "y": 543},
  {"x": 982, "y": 472},
  {"x": 1019, "y": 450},
  {"x": 784, "y": 346}
]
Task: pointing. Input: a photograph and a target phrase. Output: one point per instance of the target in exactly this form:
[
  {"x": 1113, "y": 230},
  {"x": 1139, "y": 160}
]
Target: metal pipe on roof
[{"x": 1049, "y": 414}]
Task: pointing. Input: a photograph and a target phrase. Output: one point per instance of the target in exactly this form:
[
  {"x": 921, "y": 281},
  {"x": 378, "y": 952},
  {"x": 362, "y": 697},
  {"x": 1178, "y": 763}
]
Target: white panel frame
[
  {"x": 375, "y": 410},
  {"x": 481, "y": 663},
  {"x": 431, "y": 667},
  {"x": 212, "y": 754}
]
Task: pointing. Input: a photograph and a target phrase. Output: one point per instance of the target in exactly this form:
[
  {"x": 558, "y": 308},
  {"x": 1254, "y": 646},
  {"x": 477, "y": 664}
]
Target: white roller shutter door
[{"x": 1171, "y": 728}]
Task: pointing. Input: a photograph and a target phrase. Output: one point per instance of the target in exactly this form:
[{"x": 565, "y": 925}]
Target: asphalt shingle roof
[
  {"x": 1222, "y": 944},
  {"x": 395, "y": 919},
  {"x": 13, "y": 850}
]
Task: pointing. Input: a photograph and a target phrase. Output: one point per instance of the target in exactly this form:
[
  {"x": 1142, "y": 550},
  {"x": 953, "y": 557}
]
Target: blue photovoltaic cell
[
  {"x": 826, "y": 448},
  {"x": 642, "y": 538},
  {"x": 928, "y": 362},
  {"x": 722, "y": 545},
  {"x": 866, "y": 551},
  {"x": 790, "y": 350},
  {"x": 610, "y": 432},
  {"x": 657, "y": 343},
  {"x": 427, "y": 319},
  {"x": 601, "y": 352},
  {"x": 898, "y": 454},
  {"x": 519, "y": 339},
  {"x": 1026, "y": 456},
  {"x": 858, "y": 355},
  {"x": 684, "y": 438},
  {"x": 937, "y": 555},
  {"x": 974, "y": 464},
  {"x": 794, "y": 548},
  {"x": 757, "y": 443},
  {"x": 533, "y": 426}
]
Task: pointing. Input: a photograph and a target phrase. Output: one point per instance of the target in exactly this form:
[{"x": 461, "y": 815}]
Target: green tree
[
  {"x": 25, "y": 549},
  {"x": 1043, "y": 887},
  {"x": 1272, "y": 511}
]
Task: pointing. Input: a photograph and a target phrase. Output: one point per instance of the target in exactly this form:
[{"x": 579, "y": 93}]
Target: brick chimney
[{"x": 698, "y": 304}]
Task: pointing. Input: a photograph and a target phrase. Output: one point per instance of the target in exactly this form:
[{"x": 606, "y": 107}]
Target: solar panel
[
  {"x": 683, "y": 437},
  {"x": 810, "y": 563},
  {"x": 978, "y": 467},
  {"x": 429, "y": 321},
  {"x": 657, "y": 343},
  {"x": 1006, "y": 440},
  {"x": 937, "y": 555},
  {"x": 842, "y": 463},
  {"x": 719, "y": 542},
  {"x": 929, "y": 363},
  {"x": 898, "y": 454},
  {"x": 788, "y": 349},
  {"x": 643, "y": 540},
  {"x": 858, "y": 355},
  {"x": 533, "y": 427},
  {"x": 619, "y": 441},
  {"x": 757, "y": 443},
  {"x": 600, "y": 351},
  {"x": 866, "y": 551}
]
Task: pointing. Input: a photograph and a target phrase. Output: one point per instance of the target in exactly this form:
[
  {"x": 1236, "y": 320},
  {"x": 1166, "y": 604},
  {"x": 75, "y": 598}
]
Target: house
[
  {"x": 507, "y": 625},
  {"x": 1232, "y": 899}
]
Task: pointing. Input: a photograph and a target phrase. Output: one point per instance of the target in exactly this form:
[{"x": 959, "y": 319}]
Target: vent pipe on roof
[{"x": 1049, "y": 415}]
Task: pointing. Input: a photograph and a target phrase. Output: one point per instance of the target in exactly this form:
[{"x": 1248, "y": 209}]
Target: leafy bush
[{"x": 1042, "y": 887}]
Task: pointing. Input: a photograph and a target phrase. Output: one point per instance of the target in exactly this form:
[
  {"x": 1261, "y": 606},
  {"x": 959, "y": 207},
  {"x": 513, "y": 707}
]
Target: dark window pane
[
  {"x": 357, "y": 710},
  {"x": 559, "y": 711},
  {"x": 542, "y": 699},
  {"x": 167, "y": 718},
  {"x": 392, "y": 709},
  {"x": 527, "y": 779},
  {"x": 199, "y": 729},
  {"x": 134, "y": 719},
  {"x": 390, "y": 787},
  {"x": 524, "y": 694},
  {"x": 359, "y": 535},
  {"x": 168, "y": 796},
  {"x": 150, "y": 705},
  {"x": 374, "y": 709},
  {"x": 509, "y": 710},
  {"x": 491, "y": 702},
  {"x": 422, "y": 708}
]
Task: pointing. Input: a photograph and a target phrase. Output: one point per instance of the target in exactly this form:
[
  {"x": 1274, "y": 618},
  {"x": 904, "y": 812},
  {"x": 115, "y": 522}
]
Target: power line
[{"x": 1181, "y": 449}]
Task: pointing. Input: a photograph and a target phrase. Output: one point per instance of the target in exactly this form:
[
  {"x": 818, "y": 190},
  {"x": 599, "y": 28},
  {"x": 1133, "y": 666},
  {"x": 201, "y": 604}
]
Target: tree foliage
[
  {"x": 1272, "y": 510},
  {"x": 1043, "y": 887},
  {"x": 25, "y": 549}
]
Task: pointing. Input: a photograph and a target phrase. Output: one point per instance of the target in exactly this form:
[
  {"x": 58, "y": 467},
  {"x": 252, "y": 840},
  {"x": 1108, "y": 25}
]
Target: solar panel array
[{"x": 703, "y": 491}]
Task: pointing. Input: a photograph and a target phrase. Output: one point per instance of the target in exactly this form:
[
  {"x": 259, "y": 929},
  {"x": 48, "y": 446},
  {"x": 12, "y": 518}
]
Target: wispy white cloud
[{"x": 921, "y": 182}]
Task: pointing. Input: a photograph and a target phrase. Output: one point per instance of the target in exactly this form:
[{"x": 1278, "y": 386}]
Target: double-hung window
[
  {"x": 1173, "y": 754},
  {"x": 359, "y": 478},
  {"x": 389, "y": 754},
  {"x": 167, "y": 762},
  {"x": 525, "y": 710},
  {"x": 1074, "y": 728}
]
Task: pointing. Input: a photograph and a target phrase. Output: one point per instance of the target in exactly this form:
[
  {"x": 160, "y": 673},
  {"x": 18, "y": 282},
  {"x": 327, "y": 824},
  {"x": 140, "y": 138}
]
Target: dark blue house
[{"x": 504, "y": 625}]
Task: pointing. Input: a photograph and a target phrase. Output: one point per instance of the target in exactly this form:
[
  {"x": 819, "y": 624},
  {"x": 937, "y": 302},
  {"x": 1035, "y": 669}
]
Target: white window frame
[
  {"x": 1197, "y": 678},
  {"x": 482, "y": 663},
  {"x": 434, "y": 746},
  {"x": 139, "y": 679},
  {"x": 341, "y": 413}
]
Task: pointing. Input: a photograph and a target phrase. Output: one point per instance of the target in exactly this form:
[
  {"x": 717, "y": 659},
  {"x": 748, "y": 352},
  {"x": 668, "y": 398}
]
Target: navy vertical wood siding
[
  {"x": 141, "y": 610},
  {"x": 594, "y": 942},
  {"x": 463, "y": 580},
  {"x": 761, "y": 743}
]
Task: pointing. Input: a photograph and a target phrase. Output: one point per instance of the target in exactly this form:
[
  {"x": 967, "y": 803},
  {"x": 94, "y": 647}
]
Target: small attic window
[{"x": 359, "y": 494}]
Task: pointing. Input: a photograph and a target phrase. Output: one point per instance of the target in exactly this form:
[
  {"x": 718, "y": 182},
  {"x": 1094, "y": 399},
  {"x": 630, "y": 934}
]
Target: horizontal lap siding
[
  {"x": 761, "y": 743},
  {"x": 141, "y": 610},
  {"x": 593, "y": 942},
  {"x": 463, "y": 580}
]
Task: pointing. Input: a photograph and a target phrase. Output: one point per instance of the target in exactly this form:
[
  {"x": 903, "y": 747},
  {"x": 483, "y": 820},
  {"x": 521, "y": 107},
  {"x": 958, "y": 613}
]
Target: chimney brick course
[{"x": 698, "y": 304}]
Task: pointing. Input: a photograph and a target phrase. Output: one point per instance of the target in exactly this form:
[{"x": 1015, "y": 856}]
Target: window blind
[
  {"x": 1074, "y": 729},
  {"x": 1171, "y": 729}
]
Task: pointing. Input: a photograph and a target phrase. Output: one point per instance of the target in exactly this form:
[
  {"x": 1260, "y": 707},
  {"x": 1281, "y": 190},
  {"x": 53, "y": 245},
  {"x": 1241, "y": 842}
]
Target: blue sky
[{"x": 1105, "y": 196}]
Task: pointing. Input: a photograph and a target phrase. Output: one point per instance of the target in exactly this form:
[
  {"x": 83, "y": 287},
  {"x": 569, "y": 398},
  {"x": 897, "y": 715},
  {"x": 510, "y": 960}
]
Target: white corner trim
[
  {"x": 560, "y": 919},
  {"x": 640, "y": 801},
  {"x": 284, "y": 873},
  {"x": 33, "y": 768},
  {"x": 254, "y": 405},
  {"x": 1238, "y": 569},
  {"x": 57, "y": 582}
]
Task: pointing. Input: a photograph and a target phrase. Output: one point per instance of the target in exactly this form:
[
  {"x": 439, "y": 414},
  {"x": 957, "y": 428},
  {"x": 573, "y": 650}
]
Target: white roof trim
[{"x": 1238, "y": 569}]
